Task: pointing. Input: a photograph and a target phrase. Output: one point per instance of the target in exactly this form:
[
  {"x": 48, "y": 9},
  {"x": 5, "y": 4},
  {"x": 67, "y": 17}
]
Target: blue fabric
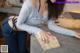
[{"x": 14, "y": 39}]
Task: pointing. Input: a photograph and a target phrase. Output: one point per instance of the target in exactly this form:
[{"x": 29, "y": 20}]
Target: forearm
[
  {"x": 28, "y": 28},
  {"x": 52, "y": 26}
]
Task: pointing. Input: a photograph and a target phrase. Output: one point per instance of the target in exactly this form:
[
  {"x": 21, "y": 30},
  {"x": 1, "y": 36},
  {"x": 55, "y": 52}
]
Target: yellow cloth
[
  {"x": 69, "y": 23},
  {"x": 53, "y": 43}
]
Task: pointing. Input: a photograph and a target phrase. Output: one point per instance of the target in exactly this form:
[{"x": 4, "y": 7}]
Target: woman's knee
[{"x": 6, "y": 30}]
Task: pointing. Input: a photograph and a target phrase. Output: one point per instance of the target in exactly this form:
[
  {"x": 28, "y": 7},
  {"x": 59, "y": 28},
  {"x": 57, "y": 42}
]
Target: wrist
[{"x": 38, "y": 31}]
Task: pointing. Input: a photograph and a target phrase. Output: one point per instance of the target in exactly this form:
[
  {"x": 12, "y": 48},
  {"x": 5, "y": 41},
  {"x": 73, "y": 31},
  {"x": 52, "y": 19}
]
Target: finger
[
  {"x": 49, "y": 35},
  {"x": 46, "y": 39},
  {"x": 43, "y": 39}
]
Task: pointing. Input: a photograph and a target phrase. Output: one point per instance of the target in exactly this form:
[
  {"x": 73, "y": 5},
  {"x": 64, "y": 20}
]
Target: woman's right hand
[{"x": 44, "y": 36}]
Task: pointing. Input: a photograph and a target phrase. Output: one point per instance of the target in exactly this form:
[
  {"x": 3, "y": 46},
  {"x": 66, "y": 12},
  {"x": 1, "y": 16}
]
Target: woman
[
  {"x": 14, "y": 37},
  {"x": 34, "y": 15}
]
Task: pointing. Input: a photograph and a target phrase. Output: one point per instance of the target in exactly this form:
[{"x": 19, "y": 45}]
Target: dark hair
[{"x": 55, "y": 9}]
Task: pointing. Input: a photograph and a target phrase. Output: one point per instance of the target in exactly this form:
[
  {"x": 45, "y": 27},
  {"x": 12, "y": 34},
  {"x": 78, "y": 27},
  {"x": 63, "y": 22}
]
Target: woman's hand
[
  {"x": 44, "y": 36},
  {"x": 78, "y": 35}
]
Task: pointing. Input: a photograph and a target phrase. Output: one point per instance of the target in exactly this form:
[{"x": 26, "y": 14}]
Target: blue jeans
[{"x": 14, "y": 39}]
